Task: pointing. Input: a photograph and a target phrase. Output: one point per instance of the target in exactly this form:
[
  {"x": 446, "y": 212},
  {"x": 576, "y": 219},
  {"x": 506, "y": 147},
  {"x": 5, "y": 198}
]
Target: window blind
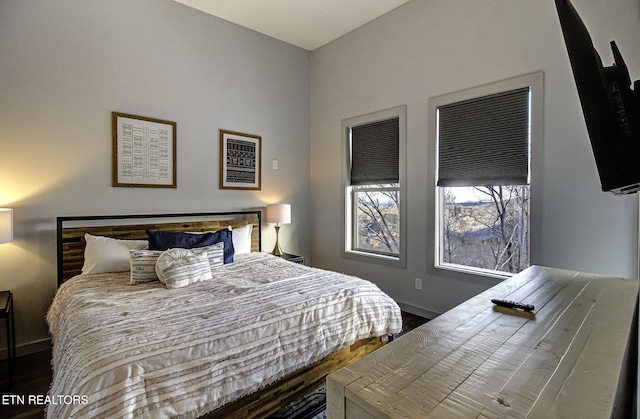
[
  {"x": 485, "y": 141},
  {"x": 375, "y": 152}
]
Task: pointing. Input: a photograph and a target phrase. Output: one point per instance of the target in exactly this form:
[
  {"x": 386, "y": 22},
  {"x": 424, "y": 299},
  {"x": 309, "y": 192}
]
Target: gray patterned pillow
[
  {"x": 143, "y": 266},
  {"x": 180, "y": 267},
  {"x": 215, "y": 254}
]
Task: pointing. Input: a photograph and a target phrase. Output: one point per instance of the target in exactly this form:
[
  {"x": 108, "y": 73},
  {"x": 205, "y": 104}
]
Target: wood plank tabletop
[{"x": 566, "y": 358}]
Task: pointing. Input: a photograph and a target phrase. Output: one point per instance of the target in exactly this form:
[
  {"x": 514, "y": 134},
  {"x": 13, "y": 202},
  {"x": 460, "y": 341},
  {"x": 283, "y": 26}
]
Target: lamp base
[{"x": 276, "y": 249}]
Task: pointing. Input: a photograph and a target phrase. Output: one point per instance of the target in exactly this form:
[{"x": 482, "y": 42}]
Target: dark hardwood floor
[
  {"x": 33, "y": 377},
  {"x": 411, "y": 321}
]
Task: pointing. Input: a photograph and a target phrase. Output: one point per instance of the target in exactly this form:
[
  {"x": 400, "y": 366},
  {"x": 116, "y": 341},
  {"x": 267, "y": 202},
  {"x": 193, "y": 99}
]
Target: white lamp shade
[
  {"x": 279, "y": 213},
  {"x": 6, "y": 225}
]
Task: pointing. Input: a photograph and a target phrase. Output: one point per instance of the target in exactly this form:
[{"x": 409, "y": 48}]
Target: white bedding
[{"x": 149, "y": 351}]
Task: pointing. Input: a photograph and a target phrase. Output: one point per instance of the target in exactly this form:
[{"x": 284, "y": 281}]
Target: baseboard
[
  {"x": 28, "y": 348},
  {"x": 418, "y": 311}
]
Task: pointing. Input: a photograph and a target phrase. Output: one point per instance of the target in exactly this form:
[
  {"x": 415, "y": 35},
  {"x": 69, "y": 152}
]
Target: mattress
[{"x": 148, "y": 351}]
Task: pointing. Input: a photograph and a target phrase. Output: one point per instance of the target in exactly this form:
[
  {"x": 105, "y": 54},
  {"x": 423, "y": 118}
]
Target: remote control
[{"x": 512, "y": 304}]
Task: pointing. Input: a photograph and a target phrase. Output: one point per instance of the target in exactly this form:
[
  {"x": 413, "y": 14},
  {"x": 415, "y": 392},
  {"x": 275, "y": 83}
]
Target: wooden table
[{"x": 574, "y": 356}]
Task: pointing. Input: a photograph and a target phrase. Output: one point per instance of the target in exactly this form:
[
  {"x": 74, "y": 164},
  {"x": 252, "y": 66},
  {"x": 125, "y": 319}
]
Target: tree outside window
[
  {"x": 486, "y": 227},
  {"x": 377, "y": 224}
]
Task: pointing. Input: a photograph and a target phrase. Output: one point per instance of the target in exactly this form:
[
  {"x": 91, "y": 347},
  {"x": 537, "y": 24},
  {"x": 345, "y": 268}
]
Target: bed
[{"x": 244, "y": 339}]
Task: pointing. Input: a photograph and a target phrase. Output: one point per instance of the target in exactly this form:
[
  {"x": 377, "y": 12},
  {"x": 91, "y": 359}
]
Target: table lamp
[
  {"x": 278, "y": 214},
  {"x": 6, "y": 225}
]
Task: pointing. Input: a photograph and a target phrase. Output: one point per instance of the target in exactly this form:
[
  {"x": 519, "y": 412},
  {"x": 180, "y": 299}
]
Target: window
[
  {"x": 374, "y": 214},
  {"x": 483, "y": 177}
]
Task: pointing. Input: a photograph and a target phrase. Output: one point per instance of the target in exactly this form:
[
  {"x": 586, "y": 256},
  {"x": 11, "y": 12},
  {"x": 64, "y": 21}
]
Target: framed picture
[
  {"x": 240, "y": 160},
  {"x": 144, "y": 152}
]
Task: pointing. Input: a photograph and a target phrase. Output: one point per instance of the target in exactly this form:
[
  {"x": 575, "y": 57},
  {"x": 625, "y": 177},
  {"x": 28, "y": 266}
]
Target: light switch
[{"x": 275, "y": 164}]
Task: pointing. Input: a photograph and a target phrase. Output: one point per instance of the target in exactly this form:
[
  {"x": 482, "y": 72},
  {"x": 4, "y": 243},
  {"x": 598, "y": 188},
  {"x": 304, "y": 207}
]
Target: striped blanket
[{"x": 148, "y": 351}]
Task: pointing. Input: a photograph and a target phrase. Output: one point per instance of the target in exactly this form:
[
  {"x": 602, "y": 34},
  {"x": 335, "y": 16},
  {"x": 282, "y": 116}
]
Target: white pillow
[
  {"x": 180, "y": 267},
  {"x": 143, "y": 266},
  {"x": 106, "y": 254},
  {"x": 241, "y": 237}
]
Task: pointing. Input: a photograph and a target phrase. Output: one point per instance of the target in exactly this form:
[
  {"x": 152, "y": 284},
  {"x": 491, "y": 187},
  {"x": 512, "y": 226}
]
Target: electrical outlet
[{"x": 418, "y": 284}]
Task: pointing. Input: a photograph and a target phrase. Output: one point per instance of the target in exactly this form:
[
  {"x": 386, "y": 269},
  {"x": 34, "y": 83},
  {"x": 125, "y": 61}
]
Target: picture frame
[
  {"x": 144, "y": 152},
  {"x": 240, "y": 161}
]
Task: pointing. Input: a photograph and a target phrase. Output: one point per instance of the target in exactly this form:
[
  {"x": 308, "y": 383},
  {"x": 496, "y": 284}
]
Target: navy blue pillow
[{"x": 164, "y": 240}]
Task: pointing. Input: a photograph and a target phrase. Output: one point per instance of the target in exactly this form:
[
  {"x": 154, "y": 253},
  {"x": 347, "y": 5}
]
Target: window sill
[
  {"x": 474, "y": 272},
  {"x": 392, "y": 261}
]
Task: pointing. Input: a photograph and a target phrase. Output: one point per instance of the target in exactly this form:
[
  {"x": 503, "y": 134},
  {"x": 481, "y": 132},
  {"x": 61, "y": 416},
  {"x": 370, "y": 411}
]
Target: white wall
[
  {"x": 427, "y": 48},
  {"x": 66, "y": 65}
]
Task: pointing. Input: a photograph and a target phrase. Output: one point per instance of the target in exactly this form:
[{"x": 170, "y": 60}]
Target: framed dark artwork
[
  {"x": 144, "y": 152},
  {"x": 240, "y": 161}
]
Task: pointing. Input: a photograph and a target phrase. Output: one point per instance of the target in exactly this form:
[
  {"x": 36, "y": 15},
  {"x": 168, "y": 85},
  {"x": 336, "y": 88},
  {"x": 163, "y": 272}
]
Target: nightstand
[
  {"x": 293, "y": 258},
  {"x": 6, "y": 313}
]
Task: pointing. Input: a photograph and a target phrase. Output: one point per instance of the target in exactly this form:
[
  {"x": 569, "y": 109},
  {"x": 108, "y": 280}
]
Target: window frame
[
  {"x": 535, "y": 81},
  {"x": 349, "y": 226}
]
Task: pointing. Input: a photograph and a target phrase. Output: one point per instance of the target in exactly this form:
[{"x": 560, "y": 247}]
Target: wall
[
  {"x": 66, "y": 65},
  {"x": 427, "y": 48}
]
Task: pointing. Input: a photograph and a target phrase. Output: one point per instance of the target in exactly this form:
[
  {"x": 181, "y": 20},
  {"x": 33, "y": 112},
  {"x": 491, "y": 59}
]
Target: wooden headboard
[{"x": 71, "y": 230}]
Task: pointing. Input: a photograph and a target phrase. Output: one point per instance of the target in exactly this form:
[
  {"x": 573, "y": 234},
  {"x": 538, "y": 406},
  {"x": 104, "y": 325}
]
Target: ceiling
[{"x": 308, "y": 24}]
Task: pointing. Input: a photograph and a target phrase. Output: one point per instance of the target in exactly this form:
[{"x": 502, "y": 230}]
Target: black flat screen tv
[{"x": 610, "y": 105}]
